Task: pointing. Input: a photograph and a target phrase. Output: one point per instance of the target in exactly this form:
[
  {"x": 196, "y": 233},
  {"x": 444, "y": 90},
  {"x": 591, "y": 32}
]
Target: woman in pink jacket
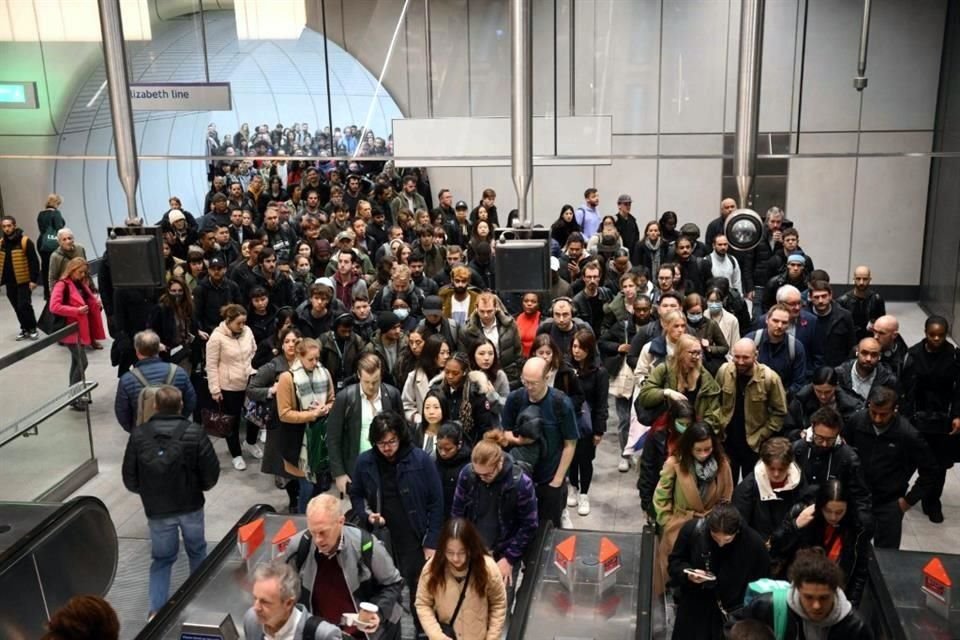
[
  {"x": 73, "y": 299},
  {"x": 230, "y": 352}
]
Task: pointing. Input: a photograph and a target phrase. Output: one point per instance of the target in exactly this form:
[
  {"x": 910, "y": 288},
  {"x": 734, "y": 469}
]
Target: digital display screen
[{"x": 18, "y": 95}]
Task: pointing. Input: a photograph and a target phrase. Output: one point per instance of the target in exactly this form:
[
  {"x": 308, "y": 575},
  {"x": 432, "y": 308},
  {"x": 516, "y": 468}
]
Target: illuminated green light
[{"x": 13, "y": 93}]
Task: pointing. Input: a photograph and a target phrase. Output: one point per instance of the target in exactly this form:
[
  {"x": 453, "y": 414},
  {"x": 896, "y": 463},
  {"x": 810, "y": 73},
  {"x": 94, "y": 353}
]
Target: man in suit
[{"x": 353, "y": 410}]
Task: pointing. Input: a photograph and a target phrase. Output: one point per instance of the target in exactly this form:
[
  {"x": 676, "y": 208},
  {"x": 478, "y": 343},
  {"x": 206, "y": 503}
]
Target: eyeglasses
[
  {"x": 385, "y": 444},
  {"x": 824, "y": 442},
  {"x": 695, "y": 353}
]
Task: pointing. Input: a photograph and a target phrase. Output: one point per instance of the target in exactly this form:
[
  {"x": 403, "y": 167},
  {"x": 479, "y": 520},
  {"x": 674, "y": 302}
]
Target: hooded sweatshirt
[{"x": 819, "y": 630}]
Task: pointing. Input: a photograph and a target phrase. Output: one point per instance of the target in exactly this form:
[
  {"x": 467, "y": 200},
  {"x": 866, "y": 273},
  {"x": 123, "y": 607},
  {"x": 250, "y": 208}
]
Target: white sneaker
[
  {"x": 263, "y": 436},
  {"x": 624, "y": 465},
  {"x": 583, "y": 505},
  {"x": 239, "y": 464},
  {"x": 255, "y": 450},
  {"x": 571, "y": 496},
  {"x": 565, "y": 522}
]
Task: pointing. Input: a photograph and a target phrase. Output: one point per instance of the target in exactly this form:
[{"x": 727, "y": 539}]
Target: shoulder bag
[{"x": 447, "y": 627}]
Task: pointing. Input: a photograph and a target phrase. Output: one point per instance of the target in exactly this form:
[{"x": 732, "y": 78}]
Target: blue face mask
[
  {"x": 679, "y": 427},
  {"x": 715, "y": 307},
  {"x": 402, "y": 313},
  {"x": 694, "y": 317}
]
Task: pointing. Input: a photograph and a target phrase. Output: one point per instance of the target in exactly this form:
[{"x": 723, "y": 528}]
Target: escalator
[
  {"x": 48, "y": 554},
  {"x": 587, "y": 584},
  {"x": 221, "y": 585}
]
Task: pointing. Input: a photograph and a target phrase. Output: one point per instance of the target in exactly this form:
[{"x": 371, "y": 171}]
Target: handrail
[
  {"x": 524, "y": 595},
  {"x": 41, "y": 413},
  {"x": 645, "y": 593},
  {"x": 157, "y": 627},
  {"x": 67, "y": 510},
  {"x": 35, "y": 346}
]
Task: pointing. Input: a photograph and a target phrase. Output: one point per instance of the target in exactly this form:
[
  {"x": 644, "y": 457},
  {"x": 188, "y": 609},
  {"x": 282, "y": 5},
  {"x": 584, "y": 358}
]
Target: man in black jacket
[
  {"x": 170, "y": 462},
  {"x": 823, "y": 455},
  {"x": 865, "y": 305},
  {"x": 353, "y": 410},
  {"x": 212, "y": 293},
  {"x": 893, "y": 348},
  {"x": 890, "y": 450},
  {"x": 864, "y": 373},
  {"x": 835, "y": 331}
]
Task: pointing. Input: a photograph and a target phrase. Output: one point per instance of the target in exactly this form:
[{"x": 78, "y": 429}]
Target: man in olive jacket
[{"x": 763, "y": 409}]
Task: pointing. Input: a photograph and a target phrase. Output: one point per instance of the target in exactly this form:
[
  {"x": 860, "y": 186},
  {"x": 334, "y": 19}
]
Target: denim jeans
[{"x": 165, "y": 544}]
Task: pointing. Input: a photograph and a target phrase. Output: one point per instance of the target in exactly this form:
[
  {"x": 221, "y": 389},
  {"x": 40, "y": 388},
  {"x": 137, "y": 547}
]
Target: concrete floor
[{"x": 615, "y": 505}]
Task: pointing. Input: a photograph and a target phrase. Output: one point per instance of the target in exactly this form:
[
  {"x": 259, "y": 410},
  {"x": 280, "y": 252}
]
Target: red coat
[{"x": 91, "y": 323}]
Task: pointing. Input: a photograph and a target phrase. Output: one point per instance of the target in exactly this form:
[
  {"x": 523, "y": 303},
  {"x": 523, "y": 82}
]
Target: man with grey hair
[
  {"x": 341, "y": 566},
  {"x": 275, "y": 614},
  {"x": 149, "y": 370},
  {"x": 67, "y": 251},
  {"x": 753, "y": 404}
]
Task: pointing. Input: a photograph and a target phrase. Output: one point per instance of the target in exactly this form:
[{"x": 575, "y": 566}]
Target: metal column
[
  {"x": 748, "y": 97},
  {"x": 115, "y": 59},
  {"x": 428, "y": 58},
  {"x": 521, "y": 111},
  {"x": 860, "y": 81}
]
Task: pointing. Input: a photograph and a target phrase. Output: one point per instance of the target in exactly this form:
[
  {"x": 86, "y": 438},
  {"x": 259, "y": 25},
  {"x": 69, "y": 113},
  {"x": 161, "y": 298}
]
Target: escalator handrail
[
  {"x": 532, "y": 576},
  {"x": 645, "y": 594},
  {"x": 157, "y": 627},
  {"x": 28, "y": 542}
]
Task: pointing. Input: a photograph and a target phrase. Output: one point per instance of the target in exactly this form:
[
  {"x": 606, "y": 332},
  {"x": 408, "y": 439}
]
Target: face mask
[
  {"x": 679, "y": 427},
  {"x": 694, "y": 317},
  {"x": 402, "y": 313},
  {"x": 715, "y": 307},
  {"x": 303, "y": 271}
]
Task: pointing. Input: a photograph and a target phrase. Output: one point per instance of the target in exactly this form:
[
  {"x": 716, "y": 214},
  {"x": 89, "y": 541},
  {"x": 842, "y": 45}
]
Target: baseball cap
[
  {"x": 321, "y": 246},
  {"x": 624, "y": 199},
  {"x": 460, "y": 205},
  {"x": 346, "y": 235},
  {"x": 217, "y": 263},
  {"x": 432, "y": 304}
]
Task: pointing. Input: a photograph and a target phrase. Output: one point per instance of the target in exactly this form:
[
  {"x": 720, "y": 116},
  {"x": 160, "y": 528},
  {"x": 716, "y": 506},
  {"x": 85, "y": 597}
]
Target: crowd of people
[{"x": 351, "y": 334}]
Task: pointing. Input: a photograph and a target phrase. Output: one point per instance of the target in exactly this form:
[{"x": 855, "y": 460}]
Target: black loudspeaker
[
  {"x": 523, "y": 265},
  {"x": 136, "y": 260}
]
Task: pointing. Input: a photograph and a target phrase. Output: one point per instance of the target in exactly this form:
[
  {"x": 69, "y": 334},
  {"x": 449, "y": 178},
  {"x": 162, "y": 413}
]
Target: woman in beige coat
[
  {"x": 461, "y": 562},
  {"x": 230, "y": 352}
]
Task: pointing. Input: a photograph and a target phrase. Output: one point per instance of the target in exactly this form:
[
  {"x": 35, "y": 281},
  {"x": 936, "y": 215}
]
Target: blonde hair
[
  {"x": 72, "y": 266},
  {"x": 325, "y": 503},
  {"x": 305, "y": 345},
  {"x": 488, "y": 450},
  {"x": 686, "y": 380},
  {"x": 54, "y": 201}
]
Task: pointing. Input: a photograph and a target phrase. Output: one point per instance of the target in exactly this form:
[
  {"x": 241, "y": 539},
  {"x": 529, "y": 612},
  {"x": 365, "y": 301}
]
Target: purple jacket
[{"x": 517, "y": 508}]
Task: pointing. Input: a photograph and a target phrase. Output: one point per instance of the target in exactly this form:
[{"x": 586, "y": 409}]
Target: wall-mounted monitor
[{"x": 18, "y": 95}]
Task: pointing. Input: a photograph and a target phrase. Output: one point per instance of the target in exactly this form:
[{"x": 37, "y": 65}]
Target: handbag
[
  {"x": 49, "y": 322},
  {"x": 447, "y": 627},
  {"x": 217, "y": 423}
]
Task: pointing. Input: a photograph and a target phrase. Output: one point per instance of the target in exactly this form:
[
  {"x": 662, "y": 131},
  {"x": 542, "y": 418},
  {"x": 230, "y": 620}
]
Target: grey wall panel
[
  {"x": 693, "y": 64},
  {"x": 691, "y": 188},
  {"x": 906, "y": 40},
  {"x": 820, "y": 203},
  {"x": 555, "y": 186},
  {"x": 636, "y": 178},
  {"x": 833, "y": 34},
  {"x": 627, "y": 62},
  {"x": 489, "y": 58},
  {"x": 450, "y": 55},
  {"x": 584, "y": 50},
  {"x": 896, "y": 141},
  {"x": 498, "y": 179},
  {"x": 888, "y": 217},
  {"x": 828, "y": 142},
  {"x": 457, "y": 179}
]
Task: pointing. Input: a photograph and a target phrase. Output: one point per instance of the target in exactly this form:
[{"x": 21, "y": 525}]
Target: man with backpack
[
  {"x": 813, "y": 607},
  {"x": 169, "y": 462},
  {"x": 137, "y": 387},
  {"x": 341, "y": 566}
]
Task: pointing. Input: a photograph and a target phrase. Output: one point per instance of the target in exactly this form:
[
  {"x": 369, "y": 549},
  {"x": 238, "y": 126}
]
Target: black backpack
[
  {"x": 163, "y": 459},
  {"x": 306, "y": 544}
]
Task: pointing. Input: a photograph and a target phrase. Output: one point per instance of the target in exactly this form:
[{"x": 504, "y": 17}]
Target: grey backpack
[{"x": 146, "y": 400}]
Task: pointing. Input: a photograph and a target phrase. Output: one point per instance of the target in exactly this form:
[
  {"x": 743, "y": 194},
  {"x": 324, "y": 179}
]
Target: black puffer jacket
[
  {"x": 449, "y": 474},
  {"x": 840, "y": 462},
  {"x": 805, "y": 403},
  {"x": 201, "y": 469},
  {"x": 596, "y": 392}
]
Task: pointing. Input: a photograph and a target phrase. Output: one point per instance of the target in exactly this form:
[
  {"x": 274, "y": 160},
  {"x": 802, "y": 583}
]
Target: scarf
[
  {"x": 310, "y": 386},
  {"x": 819, "y": 630},
  {"x": 706, "y": 472},
  {"x": 654, "y": 254}
]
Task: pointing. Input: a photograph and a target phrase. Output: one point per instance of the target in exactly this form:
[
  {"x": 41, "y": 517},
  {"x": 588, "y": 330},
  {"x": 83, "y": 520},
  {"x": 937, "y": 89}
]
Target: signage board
[{"x": 181, "y": 96}]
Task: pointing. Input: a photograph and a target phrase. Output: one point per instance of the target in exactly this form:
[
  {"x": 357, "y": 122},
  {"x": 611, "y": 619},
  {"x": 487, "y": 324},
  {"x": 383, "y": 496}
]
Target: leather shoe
[{"x": 936, "y": 517}]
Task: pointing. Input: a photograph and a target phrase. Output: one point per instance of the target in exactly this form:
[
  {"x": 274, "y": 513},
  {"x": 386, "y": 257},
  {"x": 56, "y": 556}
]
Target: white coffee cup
[{"x": 367, "y": 613}]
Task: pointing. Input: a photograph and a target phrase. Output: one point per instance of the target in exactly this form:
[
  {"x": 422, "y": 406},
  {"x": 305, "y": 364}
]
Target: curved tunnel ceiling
[{"x": 271, "y": 81}]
